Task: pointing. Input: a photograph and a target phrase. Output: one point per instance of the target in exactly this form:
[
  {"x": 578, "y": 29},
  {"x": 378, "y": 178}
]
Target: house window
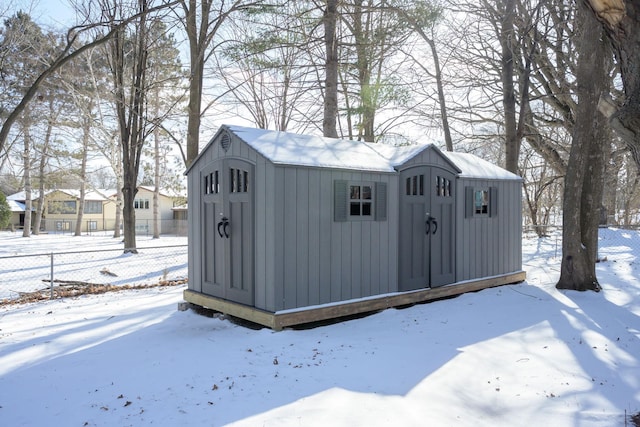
[
  {"x": 64, "y": 207},
  {"x": 141, "y": 204},
  {"x": 63, "y": 225},
  {"x": 93, "y": 207},
  {"x": 481, "y": 202},
  {"x": 92, "y": 225},
  {"x": 360, "y": 201}
]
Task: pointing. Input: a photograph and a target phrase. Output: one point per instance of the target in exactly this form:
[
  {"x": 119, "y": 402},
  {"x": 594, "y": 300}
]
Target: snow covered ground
[
  {"x": 519, "y": 355},
  {"x": 25, "y": 263}
]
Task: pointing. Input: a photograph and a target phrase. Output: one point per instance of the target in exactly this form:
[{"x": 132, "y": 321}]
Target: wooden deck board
[{"x": 280, "y": 320}]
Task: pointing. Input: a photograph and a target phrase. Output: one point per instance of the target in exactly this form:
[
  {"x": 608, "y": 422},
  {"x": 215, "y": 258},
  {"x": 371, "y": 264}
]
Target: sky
[{"x": 57, "y": 13}]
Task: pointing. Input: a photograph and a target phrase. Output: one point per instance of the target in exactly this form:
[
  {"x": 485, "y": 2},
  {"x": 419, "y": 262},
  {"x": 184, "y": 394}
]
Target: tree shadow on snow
[{"x": 159, "y": 366}]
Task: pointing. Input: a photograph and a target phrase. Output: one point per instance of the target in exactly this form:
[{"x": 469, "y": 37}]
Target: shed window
[
  {"x": 360, "y": 201},
  {"x": 212, "y": 183},
  {"x": 239, "y": 180},
  {"x": 481, "y": 202},
  {"x": 443, "y": 187},
  {"x": 414, "y": 185}
]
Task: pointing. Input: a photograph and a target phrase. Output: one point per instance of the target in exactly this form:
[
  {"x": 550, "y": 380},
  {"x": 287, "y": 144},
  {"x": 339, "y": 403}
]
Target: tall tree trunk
[
  {"x": 119, "y": 197},
  {"x": 44, "y": 158},
  {"x": 198, "y": 42},
  {"x": 329, "y": 126},
  {"x": 129, "y": 192},
  {"x": 26, "y": 231},
  {"x": 441, "y": 99},
  {"x": 507, "y": 35},
  {"x": 584, "y": 178},
  {"x": 156, "y": 181},
  {"x": 86, "y": 128},
  {"x": 131, "y": 114}
]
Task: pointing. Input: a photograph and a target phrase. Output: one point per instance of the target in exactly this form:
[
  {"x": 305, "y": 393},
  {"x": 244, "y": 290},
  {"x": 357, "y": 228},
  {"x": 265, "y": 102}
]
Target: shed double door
[
  {"x": 427, "y": 228},
  {"x": 227, "y": 241}
]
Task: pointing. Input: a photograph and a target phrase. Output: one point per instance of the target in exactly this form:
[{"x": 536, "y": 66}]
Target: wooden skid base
[{"x": 279, "y": 320}]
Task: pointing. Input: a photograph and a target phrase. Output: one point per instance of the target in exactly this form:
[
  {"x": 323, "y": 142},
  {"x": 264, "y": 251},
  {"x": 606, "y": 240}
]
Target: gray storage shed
[{"x": 287, "y": 228}]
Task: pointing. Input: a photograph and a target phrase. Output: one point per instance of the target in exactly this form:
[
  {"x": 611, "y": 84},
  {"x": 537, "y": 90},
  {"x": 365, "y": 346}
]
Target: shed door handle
[
  {"x": 225, "y": 228},
  {"x": 435, "y": 225},
  {"x": 428, "y": 224},
  {"x": 222, "y": 225}
]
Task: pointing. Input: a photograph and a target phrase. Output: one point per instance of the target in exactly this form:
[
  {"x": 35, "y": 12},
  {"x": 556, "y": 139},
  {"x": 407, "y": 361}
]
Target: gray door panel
[
  {"x": 427, "y": 228},
  {"x": 228, "y": 232}
]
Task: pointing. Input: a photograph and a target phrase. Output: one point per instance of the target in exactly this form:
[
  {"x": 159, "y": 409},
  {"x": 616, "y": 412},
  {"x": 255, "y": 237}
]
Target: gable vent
[{"x": 225, "y": 141}]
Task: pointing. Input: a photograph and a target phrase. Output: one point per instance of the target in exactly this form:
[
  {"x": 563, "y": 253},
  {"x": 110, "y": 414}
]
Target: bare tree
[
  {"x": 621, "y": 21},
  {"x": 330, "y": 102},
  {"x": 585, "y": 169},
  {"x": 202, "y": 20},
  {"x": 73, "y": 47}
]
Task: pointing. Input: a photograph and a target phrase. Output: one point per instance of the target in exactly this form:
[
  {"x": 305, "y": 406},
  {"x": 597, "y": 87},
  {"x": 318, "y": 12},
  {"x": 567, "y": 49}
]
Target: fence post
[{"x": 51, "y": 275}]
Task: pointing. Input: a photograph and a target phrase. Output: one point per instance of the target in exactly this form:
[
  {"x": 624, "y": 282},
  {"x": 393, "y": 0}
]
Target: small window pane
[
  {"x": 366, "y": 192},
  {"x": 354, "y": 209},
  {"x": 421, "y": 185},
  {"x": 232, "y": 180},
  {"x": 408, "y": 192},
  {"x": 355, "y": 192},
  {"x": 481, "y": 201},
  {"x": 366, "y": 209},
  {"x": 245, "y": 182}
]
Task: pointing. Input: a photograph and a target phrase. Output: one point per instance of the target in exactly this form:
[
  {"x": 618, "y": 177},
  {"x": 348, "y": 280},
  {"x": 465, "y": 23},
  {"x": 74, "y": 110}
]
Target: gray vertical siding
[
  {"x": 489, "y": 245},
  {"x": 319, "y": 260}
]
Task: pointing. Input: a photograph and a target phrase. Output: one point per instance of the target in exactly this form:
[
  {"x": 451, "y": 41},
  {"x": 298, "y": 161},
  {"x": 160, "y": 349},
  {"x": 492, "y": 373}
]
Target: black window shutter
[
  {"x": 339, "y": 201},
  {"x": 381, "y": 201},
  {"x": 468, "y": 202},
  {"x": 493, "y": 201}
]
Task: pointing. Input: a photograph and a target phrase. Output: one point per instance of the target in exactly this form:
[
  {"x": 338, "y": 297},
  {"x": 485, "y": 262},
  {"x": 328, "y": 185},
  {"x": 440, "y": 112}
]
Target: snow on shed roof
[
  {"x": 473, "y": 166},
  {"x": 310, "y": 150},
  {"x": 317, "y": 151}
]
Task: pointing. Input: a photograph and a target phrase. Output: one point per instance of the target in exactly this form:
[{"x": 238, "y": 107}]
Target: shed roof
[
  {"x": 287, "y": 148},
  {"x": 473, "y": 166},
  {"x": 316, "y": 151}
]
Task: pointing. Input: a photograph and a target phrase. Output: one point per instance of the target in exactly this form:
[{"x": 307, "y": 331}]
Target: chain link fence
[
  {"x": 144, "y": 227},
  {"x": 36, "y": 276},
  {"x": 28, "y": 273},
  {"x": 614, "y": 242}
]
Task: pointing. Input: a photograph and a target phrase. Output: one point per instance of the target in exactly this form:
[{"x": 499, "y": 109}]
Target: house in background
[
  {"x": 167, "y": 202},
  {"x": 61, "y": 210},
  {"x": 288, "y": 229},
  {"x": 17, "y": 214}
]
